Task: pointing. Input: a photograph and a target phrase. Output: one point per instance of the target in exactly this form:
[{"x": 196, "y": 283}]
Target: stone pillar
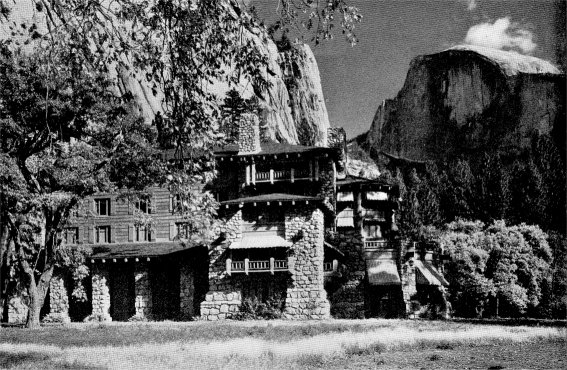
[
  {"x": 58, "y": 299},
  {"x": 347, "y": 301},
  {"x": 101, "y": 293},
  {"x": 306, "y": 296},
  {"x": 249, "y": 134},
  {"x": 17, "y": 309},
  {"x": 143, "y": 293},
  {"x": 187, "y": 291},
  {"x": 409, "y": 287},
  {"x": 223, "y": 298}
]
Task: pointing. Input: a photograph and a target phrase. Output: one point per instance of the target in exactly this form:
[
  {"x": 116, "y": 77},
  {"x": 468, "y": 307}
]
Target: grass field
[{"x": 334, "y": 344}]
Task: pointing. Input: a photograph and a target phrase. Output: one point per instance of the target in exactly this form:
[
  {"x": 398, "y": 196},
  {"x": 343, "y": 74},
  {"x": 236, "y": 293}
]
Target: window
[
  {"x": 71, "y": 235},
  {"x": 183, "y": 230},
  {"x": 175, "y": 203},
  {"x": 102, "y": 207},
  {"x": 143, "y": 206},
  {"x": 142, "y": 233},
  {"x": 372, "y": 230},
  {"x": 345, "y": 218},
  {"x": 102, "y": 234}
]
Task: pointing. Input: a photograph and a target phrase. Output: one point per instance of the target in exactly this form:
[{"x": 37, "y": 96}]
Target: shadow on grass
[{"x": 35, "y": 360}]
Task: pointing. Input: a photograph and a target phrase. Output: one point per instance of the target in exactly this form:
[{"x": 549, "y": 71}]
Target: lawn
[{"x": 333, "y": 344}]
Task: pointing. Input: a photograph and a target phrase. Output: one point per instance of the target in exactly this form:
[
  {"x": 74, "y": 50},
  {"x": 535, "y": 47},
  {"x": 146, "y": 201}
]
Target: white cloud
[
  {"x": 471, "y": 5},
  {"x": 502, "y": 34}
]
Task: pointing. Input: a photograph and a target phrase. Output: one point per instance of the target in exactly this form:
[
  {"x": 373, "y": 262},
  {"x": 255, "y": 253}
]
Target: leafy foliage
[{"x": 497, "y": 265}]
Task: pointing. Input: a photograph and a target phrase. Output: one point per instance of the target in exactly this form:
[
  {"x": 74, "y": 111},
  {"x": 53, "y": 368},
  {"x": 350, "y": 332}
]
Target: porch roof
[
  {"x": 382, "y": 272},
  {"x": 260, "y": 240},
  {"x": 429, "y": 274},
  {"x": 131, "y": 250}
]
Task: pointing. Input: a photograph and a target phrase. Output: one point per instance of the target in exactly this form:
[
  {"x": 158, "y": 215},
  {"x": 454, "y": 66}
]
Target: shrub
[{"x": 254, "y": 309}]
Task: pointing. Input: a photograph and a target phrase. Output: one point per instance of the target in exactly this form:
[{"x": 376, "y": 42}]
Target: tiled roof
[
  {"x": 131, "y": 250},
  {"x": 272, "y": 197}
]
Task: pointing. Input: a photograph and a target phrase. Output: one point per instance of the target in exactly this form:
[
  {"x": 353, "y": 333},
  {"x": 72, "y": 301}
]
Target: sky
[{"x": 393, "y": 32}]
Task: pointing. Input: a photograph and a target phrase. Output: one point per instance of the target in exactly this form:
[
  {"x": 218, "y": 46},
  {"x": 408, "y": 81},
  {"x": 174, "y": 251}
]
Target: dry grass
[{"x": 279, "y": 344}]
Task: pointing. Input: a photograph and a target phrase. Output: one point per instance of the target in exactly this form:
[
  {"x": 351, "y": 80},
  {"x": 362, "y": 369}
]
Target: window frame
[
  {"x": 107, "y": 233},
  {"x": 97, "y": 206}
]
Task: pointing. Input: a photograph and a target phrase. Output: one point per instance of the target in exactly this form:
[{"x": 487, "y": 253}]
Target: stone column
[
  {"x": 306, "y": 295},
  {"x": 223, "y": 298},
  {"x": 101, "y": 293},
  {"x": 17, "y": 309},
  {"x": 187, "y": 291},
  {"x": 58, "y": 299},
  {"x": 409, "y": 287},
  {"x": 143, "y": 293}
]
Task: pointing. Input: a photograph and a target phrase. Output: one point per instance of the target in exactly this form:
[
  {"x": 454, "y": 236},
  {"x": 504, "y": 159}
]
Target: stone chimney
[{"x": 249, "y": 134}]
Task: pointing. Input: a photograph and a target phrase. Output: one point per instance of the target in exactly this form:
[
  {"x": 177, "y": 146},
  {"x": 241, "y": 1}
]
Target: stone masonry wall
[
  {"x": 223, "y": 298},
  {"x": 101, "y": 293},
  {"x": 58, "y": 299},
  {"x": 17, "y": 309},
  {"x": 347, "y": 299},
  {"x": 186, "y": 291},
  {"x": 306, "y": 296},
  {"x": 249, "y": 134},
  {"x": 143, "y": 293}
]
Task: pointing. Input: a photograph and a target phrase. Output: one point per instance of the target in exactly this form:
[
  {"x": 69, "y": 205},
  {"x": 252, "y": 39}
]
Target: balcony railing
[
  {"x": 327, "y": 266},
  {"x": 378, "y": 244},
  {"x": 288, "y": 174},
  {"x": 331, "y": 268},
  {"x": 272, "y": 265}
]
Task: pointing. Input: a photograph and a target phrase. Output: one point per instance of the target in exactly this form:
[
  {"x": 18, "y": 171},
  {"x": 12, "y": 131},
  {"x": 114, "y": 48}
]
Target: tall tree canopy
[{"x": 68, "y": 133}]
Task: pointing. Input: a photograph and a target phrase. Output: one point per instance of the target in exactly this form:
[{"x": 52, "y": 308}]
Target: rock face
[
  {"x": 293, "y": 107},
  {"x": 466, "y": 99}
]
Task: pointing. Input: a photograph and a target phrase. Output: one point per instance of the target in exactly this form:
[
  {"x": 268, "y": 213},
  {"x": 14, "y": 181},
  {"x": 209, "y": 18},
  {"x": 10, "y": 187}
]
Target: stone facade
[
  {"x": 346, "y": 293},
  {"x": 186, "y": 292},
  {"x": 303, "y": 289},
  {"x": 143, "y": 293},
  {"x": 249, "y": 134},
  {"x": 222, "y": 295},
  {"x": 58, "y": 299},
  {"x": 17, "y": 309},
  {"x": 101, "y": 294},
  {"x": 306, "y": 296}
]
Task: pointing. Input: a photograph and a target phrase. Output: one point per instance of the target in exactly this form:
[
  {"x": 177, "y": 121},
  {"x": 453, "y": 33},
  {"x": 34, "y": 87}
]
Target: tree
[
  {"x": 78, "y": 135},
  {"x": 497, "y": 269},
  {"x": 65, "y": 135}
]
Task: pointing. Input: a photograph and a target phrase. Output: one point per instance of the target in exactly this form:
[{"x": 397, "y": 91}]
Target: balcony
[
  {"x": 302, "y": 172},
  {"x": 331, "y": 268},
  {"x": 378, "y": 244},
  {"x": 247, "y": 266}
]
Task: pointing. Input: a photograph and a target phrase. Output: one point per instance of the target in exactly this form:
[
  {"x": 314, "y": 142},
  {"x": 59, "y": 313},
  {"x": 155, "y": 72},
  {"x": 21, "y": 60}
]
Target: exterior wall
[
  {"x": 101, "y": 293},
  {"x": 58, "y": 299},
  {"x": 121, "y": 219},
  {"x": 186, "y": 291},
  {"x": 306, "y": 296},
  {"x": 17, "y": 309},
  {"x": 346, "y": 293},
  {"x": 409, "y": 286},
  {"x": 223, "y": 298},
  {"x": 249, "y": 134},
  {"x": 143, "y": 298}
]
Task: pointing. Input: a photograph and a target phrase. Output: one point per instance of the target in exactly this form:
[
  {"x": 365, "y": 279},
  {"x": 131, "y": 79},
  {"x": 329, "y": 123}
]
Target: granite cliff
[
  {"x": 292, "y": 107},
  {"x": 468, "y": 99}
]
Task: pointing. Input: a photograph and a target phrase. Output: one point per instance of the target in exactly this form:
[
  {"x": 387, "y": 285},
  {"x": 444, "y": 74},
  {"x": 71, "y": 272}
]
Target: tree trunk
[
  {"x": 4, "y": 240},
  {"x": 37, "y": 293}
]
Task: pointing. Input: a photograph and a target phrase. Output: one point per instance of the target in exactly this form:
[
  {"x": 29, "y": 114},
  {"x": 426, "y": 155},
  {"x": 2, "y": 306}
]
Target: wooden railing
[
  {"x": 377, "y": 244},
  {"x": 288, "y": 174},
  {"x": 272, "y": 265}
]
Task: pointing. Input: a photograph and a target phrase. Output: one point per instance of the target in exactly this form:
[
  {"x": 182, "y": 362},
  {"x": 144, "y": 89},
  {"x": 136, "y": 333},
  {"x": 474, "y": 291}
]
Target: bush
[
  {"x": 254, "y": 309},
  {"x": 97, "y": 318}
]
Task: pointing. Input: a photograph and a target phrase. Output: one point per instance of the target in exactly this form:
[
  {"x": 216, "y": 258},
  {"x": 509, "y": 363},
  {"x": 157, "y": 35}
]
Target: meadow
[{"x": 332, "y": 344}]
